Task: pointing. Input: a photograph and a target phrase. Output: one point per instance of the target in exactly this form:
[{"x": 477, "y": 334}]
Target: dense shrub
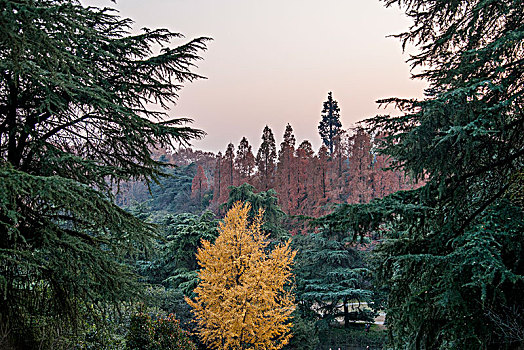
[{"x": 146, "y": 333}]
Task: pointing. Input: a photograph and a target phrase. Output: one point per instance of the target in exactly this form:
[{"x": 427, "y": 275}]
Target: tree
[
  {"x": 285, "y": 168},
  {"x": 304, "y": 154},
  {"x": 242, "y": 301},
  {"x": 199, "y": 184},
  {"x": 74, "y": 118},
  {"x": 161, "y": 333},
  {"x": 266, "y": 201},
  {"x": 321, "y": 171},
  {"x": 244, "y": 161},
  {"x": 330, "y": 125},
  {"x": 360, "y": 167},
  {"x": 266, "y": 156},
  {"x": 217, "y": 193},
  {"x": 453, "y": 262},
  {"x": 229, "y": 165},
  {"x": 175, "y": 263},
  {"x": 330, "y": 275}
]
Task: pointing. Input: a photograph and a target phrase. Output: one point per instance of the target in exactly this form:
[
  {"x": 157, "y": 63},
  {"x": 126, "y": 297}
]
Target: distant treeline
[{"x": 306, "y": 183}]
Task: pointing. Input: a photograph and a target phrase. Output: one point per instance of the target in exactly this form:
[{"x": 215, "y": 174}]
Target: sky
[{"x": 273, "y": 62}]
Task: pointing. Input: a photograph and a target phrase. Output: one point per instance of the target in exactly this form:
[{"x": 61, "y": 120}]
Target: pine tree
[
  {"x": 330, "y": 125},
  {"x": 266, "y": 201},
  {"x": 266, "y": 156},
  {"x": 242, "y": 301},
  {"x": 74, "y": 118},
  {"x": 175, "y": 264}
]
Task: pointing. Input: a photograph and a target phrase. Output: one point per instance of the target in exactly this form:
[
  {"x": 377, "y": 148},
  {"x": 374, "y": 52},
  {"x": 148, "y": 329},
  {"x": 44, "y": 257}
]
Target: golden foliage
[{"x": 241, "y": 301}]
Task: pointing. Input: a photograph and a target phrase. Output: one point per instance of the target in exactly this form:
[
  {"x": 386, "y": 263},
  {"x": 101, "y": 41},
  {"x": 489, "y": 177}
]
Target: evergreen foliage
[
  {"x": 331, "y": 275},
  {"x": 74, "y": 91},
  {"x": 453, "y": 258},
  {"x": 330, "y": 126},
  {"x": 173, "y": 193},
  {"x": 175, "y": 263},
  {"x": 163, "y": 333},
  {"x": 266, "y": 201}
]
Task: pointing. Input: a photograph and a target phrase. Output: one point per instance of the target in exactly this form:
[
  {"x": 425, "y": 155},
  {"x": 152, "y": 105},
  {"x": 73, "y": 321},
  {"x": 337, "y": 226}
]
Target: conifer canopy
[
  {"x": 76, "y": 90},
  {"x": 453, "y": 262}
]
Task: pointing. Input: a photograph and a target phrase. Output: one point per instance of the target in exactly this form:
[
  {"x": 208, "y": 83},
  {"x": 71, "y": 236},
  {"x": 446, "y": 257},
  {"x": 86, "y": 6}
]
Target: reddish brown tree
[
  {"x": 225, "y": 174},
  {"x": 322, "y": 171},
  {"x": 303, "y": 178},
  {"x": 199, "y": 184},
  {"x": 265, "y": 159},
  {"x": 244, "y": 161},
  {"x": 229, "y": 166},
  {"x": 360, "y": 162},
  {"x": 217, "y": 188},
  {"x": 285, "y": 168},
  {"x": 339, "y": 167}
]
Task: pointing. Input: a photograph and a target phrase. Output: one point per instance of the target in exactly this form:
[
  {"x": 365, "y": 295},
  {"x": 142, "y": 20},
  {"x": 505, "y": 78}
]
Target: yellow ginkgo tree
[{"x": 244, "y": 299}]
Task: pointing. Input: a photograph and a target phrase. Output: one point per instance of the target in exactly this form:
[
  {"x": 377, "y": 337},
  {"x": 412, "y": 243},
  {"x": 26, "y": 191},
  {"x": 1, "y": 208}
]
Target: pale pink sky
[{"x": 273, "y": 62}]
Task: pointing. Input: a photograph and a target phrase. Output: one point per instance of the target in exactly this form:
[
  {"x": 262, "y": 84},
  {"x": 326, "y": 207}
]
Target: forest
[{"x": 405, "y": 231}]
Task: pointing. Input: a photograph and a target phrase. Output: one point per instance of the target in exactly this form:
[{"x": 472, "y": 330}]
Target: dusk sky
[{"x": 273, "y": 62}]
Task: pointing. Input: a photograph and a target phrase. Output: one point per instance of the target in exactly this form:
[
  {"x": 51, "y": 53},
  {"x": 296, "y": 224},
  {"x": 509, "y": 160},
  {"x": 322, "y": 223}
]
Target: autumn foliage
[
  {"x": 243, "y": 300},
  {"x": 199, "y": 183},
  {"x": 308, "y": 182}
]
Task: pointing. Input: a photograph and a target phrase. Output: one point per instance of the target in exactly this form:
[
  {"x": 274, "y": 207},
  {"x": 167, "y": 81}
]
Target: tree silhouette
[{"x": 330, "y": 125}]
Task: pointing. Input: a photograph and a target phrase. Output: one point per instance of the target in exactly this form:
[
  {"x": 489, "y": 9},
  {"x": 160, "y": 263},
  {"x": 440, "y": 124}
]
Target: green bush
[
  {"x": 163, "y": 333},
  {"x": 305, "y": 335}
]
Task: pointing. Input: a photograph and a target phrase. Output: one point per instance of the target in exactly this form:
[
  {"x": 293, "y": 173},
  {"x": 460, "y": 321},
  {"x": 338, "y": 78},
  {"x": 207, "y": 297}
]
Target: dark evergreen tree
[
  {"x": 331, "y": 276},
  {"x": 266, "y": 156},
  {"x": 175, "y": 265},
  {"x": 453, "y": 263},
  {"x": 330, "y": 126},
  {"x": 74, "y": 117},
  {"x": 267, "y": 201}
]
